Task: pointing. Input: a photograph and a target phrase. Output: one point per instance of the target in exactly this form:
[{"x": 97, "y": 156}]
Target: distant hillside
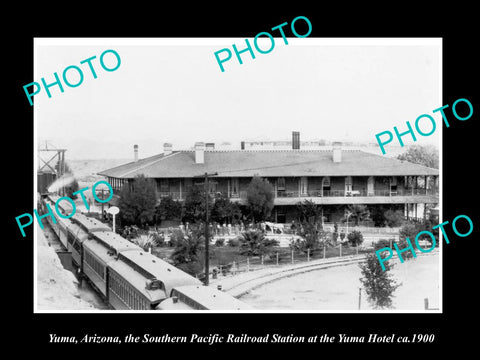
[{"x": 86, "y": 170}]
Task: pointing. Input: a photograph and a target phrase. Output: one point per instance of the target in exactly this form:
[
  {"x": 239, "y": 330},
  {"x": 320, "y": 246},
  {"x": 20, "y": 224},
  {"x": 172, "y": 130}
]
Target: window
[
  {"x": 234, "y": 187},
  {"x": 281, "y": 184},
  {"x": 348, "y": 185},
  {"x": 212, "y": 186},
  {"x": 303, "y": 186},
  {"x": 393, "y": 185},
  {"x": 326, "y": 181},
  {"x": 326, "y": 186},
  {"x": 163, "y": 185}
]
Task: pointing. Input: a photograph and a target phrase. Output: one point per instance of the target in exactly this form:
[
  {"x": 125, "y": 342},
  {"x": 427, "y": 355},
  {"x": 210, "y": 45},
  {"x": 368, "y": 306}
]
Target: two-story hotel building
[{"x": 327, "y": 177}]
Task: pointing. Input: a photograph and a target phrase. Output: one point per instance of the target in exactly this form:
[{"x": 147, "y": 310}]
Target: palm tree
[
  {"x": 254, "y": 243},
  {"x": 188, "y": 253},
  {"x": 358, "y": 212}
]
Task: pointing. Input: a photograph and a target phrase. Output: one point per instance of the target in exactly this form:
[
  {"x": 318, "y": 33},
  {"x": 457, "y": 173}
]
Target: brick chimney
[
  {"x": 167, "y": 149},
  {"x": 135, "y": 152},
  {"x": 199, "y": 153},
  {"x": 295, "y": 140},
  {"x": 337, "y": 152}
]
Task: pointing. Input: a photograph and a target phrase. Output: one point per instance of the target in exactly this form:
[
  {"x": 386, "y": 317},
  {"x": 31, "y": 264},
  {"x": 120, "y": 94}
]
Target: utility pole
[
  {"x": 207, "y": 235},
  {"x": 103, "y": 198},
  {"x": 359, "y": 297}
]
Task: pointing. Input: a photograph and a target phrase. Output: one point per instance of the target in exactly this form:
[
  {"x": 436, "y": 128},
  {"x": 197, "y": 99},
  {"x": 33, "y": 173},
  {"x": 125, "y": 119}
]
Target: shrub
[
  {"x": 355, "y": 238},
  {"x": 220, "y": 242},
  {"x": 393, "y": 218},
  {"x": 158, "y": 239},
  {"x": 234, "y": 242},
  {"x": 144, "y": 241},
  {"x": 402, "y": 244},
  {"x": 382, "y": 243},
  {"x": 254, "y": 243},
  {"x": 188, "y": 254}
]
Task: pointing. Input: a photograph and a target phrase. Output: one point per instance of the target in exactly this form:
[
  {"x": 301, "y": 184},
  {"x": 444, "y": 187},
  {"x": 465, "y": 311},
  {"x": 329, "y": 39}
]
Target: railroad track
[{"x": 242, "y": 288}]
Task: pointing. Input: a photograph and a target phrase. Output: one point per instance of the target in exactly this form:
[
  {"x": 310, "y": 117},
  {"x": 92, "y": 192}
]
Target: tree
[
  {"x": 313, "y": 234},
  {"x": 260, "y": 198},
  {"x": 224, "y": 210},
  {"x": 188, "y": 254},
  {"x": 378, "y": 284},
  {"x": 254, "y": 243},
  {"x": 355, "y": 238},
  {"x": 137, "y": 203},
  {"x": 309, "y": 211},
  {"x": 169, "y": 209},
  {"x": 410, "y": 231},
  {"x": 393, "y": 218},
  {"x": 377, "y": 214},
  {"x": 335, "y": 232},
  {"x": 358, "y": 212},
  {"x": 195, "y": 206},
  {"x": 422, "y": 155}
]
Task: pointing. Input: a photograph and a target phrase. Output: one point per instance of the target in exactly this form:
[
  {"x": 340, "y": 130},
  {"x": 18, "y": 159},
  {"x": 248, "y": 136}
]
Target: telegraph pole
[{"x": 207, "y": 235}]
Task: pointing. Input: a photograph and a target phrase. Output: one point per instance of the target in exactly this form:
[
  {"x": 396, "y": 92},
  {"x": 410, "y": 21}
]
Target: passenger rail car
[
  {"x": 195, "y": 297},
  {"x": 125, "y": 275},
  {"x": 99, "y": 249},
  {"x": 145, "y": 277}
]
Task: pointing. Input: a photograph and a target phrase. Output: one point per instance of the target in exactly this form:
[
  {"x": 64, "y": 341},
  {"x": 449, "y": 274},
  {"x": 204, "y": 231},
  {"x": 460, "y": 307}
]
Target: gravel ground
[
  {"x": 337, "y": 288},
  {"x": 56, "y": 287}
]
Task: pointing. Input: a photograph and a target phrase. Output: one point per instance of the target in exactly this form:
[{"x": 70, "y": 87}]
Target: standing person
[{"x": 293, "y": 227}]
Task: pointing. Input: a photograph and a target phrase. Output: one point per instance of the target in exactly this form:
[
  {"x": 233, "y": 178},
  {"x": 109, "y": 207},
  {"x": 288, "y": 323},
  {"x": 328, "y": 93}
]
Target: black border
[{"x": 455, "y": 25}]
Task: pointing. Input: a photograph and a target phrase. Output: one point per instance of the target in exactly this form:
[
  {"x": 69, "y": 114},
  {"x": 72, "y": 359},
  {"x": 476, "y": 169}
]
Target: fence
[
  {"x": 286, "y": 256},
  {"x": 362, "y": 229}
]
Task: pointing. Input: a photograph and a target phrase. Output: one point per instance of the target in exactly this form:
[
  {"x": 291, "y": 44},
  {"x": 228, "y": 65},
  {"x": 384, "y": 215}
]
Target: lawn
[{"x": 223, "y": 255}]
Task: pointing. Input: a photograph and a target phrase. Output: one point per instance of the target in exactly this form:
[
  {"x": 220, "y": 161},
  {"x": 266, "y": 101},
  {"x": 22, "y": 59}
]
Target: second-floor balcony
[
  {"x": 333, "y": 196},
  {"x": 353, "y": 193}
]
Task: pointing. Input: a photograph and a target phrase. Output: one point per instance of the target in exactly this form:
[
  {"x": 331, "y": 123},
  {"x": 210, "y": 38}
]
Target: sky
[{"x": 172, "y": 90}]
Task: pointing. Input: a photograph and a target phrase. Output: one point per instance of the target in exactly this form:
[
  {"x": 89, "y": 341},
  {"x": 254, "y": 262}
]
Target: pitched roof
[{"x": 268, "y": 163}]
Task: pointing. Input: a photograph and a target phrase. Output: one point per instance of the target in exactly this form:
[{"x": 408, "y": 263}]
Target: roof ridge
[
  {"x": 149, "y": 163},
  {"x": 270, "y": 150}
]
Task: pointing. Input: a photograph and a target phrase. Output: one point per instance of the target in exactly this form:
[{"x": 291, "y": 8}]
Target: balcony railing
[
  {"x": 343, "y": 193},
  {"x": 176, "y": 195},
  {"x": 318, "y": 193}
]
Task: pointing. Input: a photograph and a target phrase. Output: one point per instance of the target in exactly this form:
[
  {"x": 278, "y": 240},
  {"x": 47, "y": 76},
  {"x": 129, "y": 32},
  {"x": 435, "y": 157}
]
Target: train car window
[{"x": 114, "y": 284}]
